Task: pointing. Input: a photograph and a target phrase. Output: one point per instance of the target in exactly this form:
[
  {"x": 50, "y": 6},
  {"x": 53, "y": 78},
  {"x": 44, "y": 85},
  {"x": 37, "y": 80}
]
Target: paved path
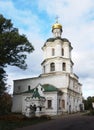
[{"x": 73, "y": 122}]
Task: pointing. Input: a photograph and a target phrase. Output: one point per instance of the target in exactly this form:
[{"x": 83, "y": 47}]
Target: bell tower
[{"x": 57, "y": 53}]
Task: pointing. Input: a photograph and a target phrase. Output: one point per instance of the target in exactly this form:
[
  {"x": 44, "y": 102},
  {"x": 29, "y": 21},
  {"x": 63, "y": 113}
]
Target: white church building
[{"x": 57, "y": 90}]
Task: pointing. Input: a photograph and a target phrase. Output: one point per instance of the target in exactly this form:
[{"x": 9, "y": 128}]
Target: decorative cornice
[
  {"x": 57, "y": 38},
  {"x": 58, "y": 57}
]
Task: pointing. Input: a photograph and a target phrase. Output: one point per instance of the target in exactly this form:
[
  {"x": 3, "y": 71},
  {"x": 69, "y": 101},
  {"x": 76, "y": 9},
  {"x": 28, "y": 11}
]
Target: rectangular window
[
  {"x": 59, "y": 104},
  {"x": 28, "y": 88},
  {"x": 53, "y": 51},
  {"x": 49, "y": 103},
  {"x": 63, "y": 103},
  {"x": 64, "y": 66},
  {"x": 62, "y": 51}
]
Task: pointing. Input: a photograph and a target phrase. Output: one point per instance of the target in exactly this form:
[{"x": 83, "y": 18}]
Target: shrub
[
  {"x": 5, "y": 104},
  {"x": 47, "y": 117},
  {"x": 91, "y": 112}
]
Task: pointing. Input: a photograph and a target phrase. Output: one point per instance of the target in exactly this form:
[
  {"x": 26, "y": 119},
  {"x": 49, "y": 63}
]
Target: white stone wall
[
  {"x": 58, "y": 58},
  {"x": 24, "y": 103},
  {"x": 48, "y": 49},
  {"x": 60, "y": 81},
  {"x": 49, "y": 111},
  {"x": 51, "y": 96},
  {"x": 57, "y": 32},
  {"x": 57, "y": 45},
  {"x": 58, "y": 65},
  {"x": 64, "y": 97},
  {"x": 17, "y": 103}
]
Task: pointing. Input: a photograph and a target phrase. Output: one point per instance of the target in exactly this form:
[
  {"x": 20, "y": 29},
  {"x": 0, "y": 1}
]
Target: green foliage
[
  {"x": 91, "y": 112},
  {"x": 2, "y": 80},
  {"x": 12, "y": 45},
  {"x": 5, "y": 103},
  {"x": 13, "y": 48},
  {"x": 88, "y": 103},
  {"x": 11, "y": 122}
]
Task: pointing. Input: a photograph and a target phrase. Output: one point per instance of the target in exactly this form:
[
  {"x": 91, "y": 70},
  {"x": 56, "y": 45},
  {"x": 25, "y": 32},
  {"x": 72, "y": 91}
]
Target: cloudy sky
[{"x": 34, "y": 18}]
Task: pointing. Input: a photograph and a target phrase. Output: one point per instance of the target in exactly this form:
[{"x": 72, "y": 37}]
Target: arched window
[
  {"x": 62, "y": 52},
  {"x": 52, "y": 67},
  {"x": 28, "y": 87},
  {"x": 53, "y": 51},
  {"x": 64, "y": 66}
]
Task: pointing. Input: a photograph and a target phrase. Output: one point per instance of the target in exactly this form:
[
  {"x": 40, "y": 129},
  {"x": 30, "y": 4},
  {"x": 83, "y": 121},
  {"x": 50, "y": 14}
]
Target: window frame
[
  {"x": 49, "y": 104},
  {"x": 62, "y": 52},
  {"x": 64, "y": 66},
  {"x": 63, "y": 103},
  {"x": 52, "y": 66},
  {"x": 29, "y": 87},
  {"x": 53, "y": 52}
]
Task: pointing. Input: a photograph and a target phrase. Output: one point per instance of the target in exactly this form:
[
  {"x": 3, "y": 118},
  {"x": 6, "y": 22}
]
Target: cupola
[
  {"x": 57, "y": 26},
  {"x": 57, "y": 29}
]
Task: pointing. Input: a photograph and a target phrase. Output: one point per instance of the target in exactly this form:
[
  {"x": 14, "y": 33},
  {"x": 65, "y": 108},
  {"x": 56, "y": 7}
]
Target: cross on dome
[
  {"x": 57, "y": 17},
  {"x": 57, "y": 25}
]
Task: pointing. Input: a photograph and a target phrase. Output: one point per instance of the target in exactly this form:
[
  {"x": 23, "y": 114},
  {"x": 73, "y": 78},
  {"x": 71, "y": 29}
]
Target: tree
[
  {"x": 2, "y": 80},
  {"x": 13, "y": 49},
  {"x": 5, "y": 103},
  {"x": 88, "y": 103}
]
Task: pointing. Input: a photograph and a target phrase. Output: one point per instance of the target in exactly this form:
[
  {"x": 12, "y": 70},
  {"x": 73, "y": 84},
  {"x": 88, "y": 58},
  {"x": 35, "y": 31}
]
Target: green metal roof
[
  {"x": 36, "y": 94},
  {"x": 49, "y": 88},
  {"x": 46, "y": 87}
]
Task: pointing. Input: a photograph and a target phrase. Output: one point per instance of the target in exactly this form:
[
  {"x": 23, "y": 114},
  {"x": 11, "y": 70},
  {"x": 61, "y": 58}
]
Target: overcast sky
[{"x": 34, "y": 18}]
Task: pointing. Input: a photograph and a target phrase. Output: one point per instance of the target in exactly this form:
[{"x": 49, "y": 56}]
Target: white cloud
[
  {"x": 28, "y": 24},
  {"x": 68, "y": 10},
  {"x": 88, "y": 88}
]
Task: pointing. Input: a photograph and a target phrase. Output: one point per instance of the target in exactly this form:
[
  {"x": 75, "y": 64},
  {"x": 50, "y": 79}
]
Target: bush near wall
[{"x": 5, "y": 103}]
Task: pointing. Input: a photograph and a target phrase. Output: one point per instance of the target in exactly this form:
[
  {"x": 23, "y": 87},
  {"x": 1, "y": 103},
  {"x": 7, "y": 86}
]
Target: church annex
[{"x": 57, "y": 90}]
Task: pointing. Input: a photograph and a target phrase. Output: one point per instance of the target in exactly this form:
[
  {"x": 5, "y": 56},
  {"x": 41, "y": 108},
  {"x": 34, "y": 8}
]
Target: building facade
[{"x": 57, "y": 90}]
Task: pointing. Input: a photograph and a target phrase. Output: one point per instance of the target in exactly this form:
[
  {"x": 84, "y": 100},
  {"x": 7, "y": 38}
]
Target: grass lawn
[{"x": 11, "y": 124}]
